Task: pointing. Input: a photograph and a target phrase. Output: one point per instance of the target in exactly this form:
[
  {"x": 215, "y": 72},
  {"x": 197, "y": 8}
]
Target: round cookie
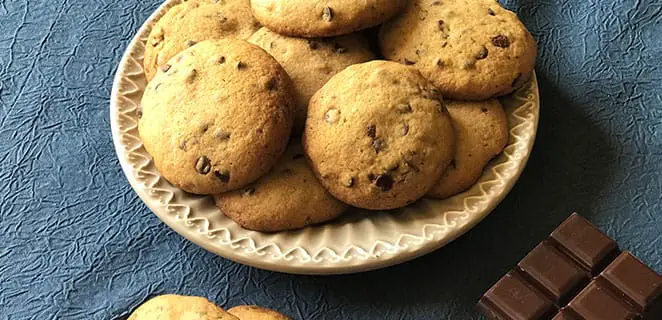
[
  {"x": 317, "y": 18},
  {"x": 256, "y": 313},
  {"x": 378, "y": 135},
  {"x": 289, "y": 197},
  {"x": 175, "y": 307},
  {"x": 469, "y": 49},
  {"x": 312, "y": 62},
  {"x": 481, "y": 129},
  {"x": 217, "y": 117},
  {"x": 191, "y": 22}
]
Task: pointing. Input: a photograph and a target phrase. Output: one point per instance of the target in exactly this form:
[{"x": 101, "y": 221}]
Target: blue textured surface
[{"x": 77, "y": 243}]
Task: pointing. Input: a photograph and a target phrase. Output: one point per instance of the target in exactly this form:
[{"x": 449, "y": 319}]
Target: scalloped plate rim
[{"x": 283, "y": 264}]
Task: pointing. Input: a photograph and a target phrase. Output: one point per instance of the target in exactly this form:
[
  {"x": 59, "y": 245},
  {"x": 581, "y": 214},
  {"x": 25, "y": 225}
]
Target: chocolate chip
[
  {"x": 223, "y": 175},
  {"x": 271, "y": 84},
  {"x": 332, "y": 115},
  {"x": 483, "y": 109},
  {"x": 221, "y": 60},
  {"x": 349, "y": 182},
  {"x": 241, "y": 65},
  {"x": 433, "y": 94},
  {"x": 490, "y": 11},
  {"x": 408, "y": 62},
  {"x": 371, "y": 131},
  {"x": 482, "y": 54},
  {"x": 248, "y": 192},
  {"x": 190, "y": 43},
  {"x": 440, "y": 25},
  {"x": 165, "y": 67},
  {"x": 313, "y": 45},
  {"x": 338, "y": 48},
  {"x": 203, "y": 165},
  {"x": 501, "y": 41},
  {"x": 412, "y": 165},
  {"x": 439, "y": 62},
  {"x": 297, "y": 156},
  {"x": 403, "y": 108},
  {"x": 405, "y": 129},
  {"x": 436, "y": 3},
  {"x": 372, "y": 177},
  {"x": 222, "y": 135},
  {"x": 384, "y": 182},
  {"x": 444, "y": 44},
  {"x": 327, "y": 14},
  {"x": 191, "y": 75},
  {"x": 378, "y": 145}
]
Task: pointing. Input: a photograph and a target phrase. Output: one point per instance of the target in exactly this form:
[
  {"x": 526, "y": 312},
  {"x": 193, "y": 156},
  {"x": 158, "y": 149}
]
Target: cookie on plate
[
  {"x": 378, "y": 135},
  {"x": 175, "y": 307},
  {"x": 312, "y": 62},
  {"x": 289, "y": 197},
  {"x": 481, "y": 129},
  {"x": 217, "y": 116},
  {"x": 469, "y": 49},
  {"x": 316, "y": 18},
  {"x": 256, "y": 313},
  {"x": 188, "y": 23}
]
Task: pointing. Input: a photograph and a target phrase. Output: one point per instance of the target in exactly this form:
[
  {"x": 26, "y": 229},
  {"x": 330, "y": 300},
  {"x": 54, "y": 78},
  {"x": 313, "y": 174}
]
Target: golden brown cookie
[
  {"x": 378, "y": 135},
  {"x": 175, "y": 307},
  {"x": 323, "y": 18},
  {"x": 469, "y": 49},
  {"x": 217, "y": 116},
  {"x": 288, "y": 197},
  {"x": 194, "y": 21},
  {"x": 256, "y": 313},
  {"x": 312, "y": 62},
  {"x": 481, "y": 129}
]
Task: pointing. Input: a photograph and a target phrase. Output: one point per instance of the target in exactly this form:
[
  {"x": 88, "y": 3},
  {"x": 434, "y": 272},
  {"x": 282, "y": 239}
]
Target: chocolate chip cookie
[
  {"x": 175, "y": 307},
  {"x": 378, "y": 135},
  {"x": 256, "y": 313},
  {"x": 288, "y": 197},
  {"x": 481, "y": 129},
  {"x": 217, "y": 116},
  {"x": 317, "y": 18},
  {"x": 188, "y": 23},
  {"x": 312, "y": 62},
  {"x": 470, "y": 49}
]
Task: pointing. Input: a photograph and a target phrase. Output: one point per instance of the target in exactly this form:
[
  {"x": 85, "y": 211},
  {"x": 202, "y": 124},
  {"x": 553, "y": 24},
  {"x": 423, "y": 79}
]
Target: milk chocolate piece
[
  {"x": 514, "y": 298},
  {"x": 555, "y": 280},
  {"x": 583, "y": 242}
]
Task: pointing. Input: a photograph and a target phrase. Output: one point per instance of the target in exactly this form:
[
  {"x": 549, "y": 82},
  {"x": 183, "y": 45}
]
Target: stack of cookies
[{"x": 281, "y": 110}]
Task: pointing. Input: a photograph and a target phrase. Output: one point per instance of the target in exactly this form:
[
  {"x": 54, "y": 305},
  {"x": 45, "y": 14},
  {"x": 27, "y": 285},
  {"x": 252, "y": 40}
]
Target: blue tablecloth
[{"x": 77, "y": 243}]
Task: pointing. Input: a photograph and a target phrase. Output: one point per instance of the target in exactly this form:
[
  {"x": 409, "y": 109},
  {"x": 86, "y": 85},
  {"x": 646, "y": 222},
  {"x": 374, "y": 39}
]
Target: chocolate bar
[{"x": 577, "y": 273}]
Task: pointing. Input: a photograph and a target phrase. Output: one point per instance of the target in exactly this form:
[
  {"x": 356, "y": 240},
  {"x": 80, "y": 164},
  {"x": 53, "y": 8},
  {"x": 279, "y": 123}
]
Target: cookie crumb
[{"x": 332, "y": 115}]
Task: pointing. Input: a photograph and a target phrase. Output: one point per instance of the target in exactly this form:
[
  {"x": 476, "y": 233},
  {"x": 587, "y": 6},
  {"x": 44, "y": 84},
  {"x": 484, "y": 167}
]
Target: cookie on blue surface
[
  {"x": 217, "y": 116},
  {"x": 323, "y": 18},
  {"x": 378, "y": 135},
  {"x": 469, "y": 49},
  {"x": 194, "y": 21},
  {"x": 256, "y": 313},
  {"x": 288, "y": 197},
  {"x": 481, "y": 130},
  {"x": 176, "y": 307}
]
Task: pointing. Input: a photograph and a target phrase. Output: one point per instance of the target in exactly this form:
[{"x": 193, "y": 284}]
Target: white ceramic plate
[{"x": 358, "y": 242}]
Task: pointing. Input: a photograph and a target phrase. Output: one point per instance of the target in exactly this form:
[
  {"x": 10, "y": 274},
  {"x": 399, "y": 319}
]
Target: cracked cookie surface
[
  {"x": 217, "y": 116},
  {"x": 378, "y": 135},
  {"x": 469, "y": 49}
]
